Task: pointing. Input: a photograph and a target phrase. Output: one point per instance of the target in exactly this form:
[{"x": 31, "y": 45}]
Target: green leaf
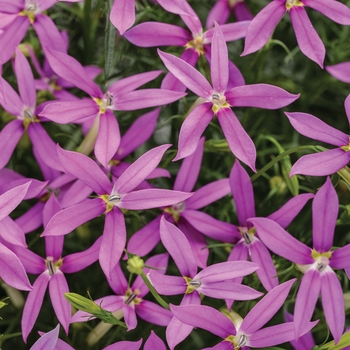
[
  {"x": 109, "y": 43},
  {"x": 343, "y": 342}
]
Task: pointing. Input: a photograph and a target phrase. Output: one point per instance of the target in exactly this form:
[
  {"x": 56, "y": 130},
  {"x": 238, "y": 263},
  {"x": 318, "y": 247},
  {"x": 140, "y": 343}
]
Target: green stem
[
  {"x": 279, "y": 157},
  {"x": 154, "y": 292}
]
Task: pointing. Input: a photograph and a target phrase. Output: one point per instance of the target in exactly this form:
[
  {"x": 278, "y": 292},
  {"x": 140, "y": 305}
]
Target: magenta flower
[
  {"x": 323, "y": 163},
  {"x": 51, "y": 272},
  {"x": 215, "y": 281},
  {"x": 320, "y": 261},
  {"x": 16, "y": 18},
  {"x": 310, "y": 44},
  {"x": 249, "y": 243},
  {"x": 340, "y": 71},
  {"x": 245, "y": 333},
  {"x": 196, "y": 41},
  {"x": 192, "y": 222},
  {"x": 130, "y": 299},
  {"x": 24, "y": 109},
  {"x": 218, "y": 101},
  {"x": 119, "y": 96},
  {"x": 111, "y": 199},
  {"x": 220, "y": 12}
]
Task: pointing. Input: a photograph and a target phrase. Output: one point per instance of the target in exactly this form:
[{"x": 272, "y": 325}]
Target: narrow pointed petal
[
  {"x": 48, "y": 34},
  {"x": 347, "y": 107},
  {"x": 219, "y": 61},
  {"x": 337, "y": 11},
  {"x": 146, "y": 98},
  {"x": 178, "y": 7},
  {"x": 188, "y": 75},
  {"x": 54, "y": 244},
  {"x": 310, "y": 126},
  {"x": 33, "y": 304},
  {"x": 78, "y": 261},
  {"x": 9, "y": 99},
  {"x": 275, "y": 335},
  {"x": 139, "y": 170},
  {"x": 152, "y": 198},
  {"x": 25, "y": 80},
  {"x": 70, "y": 69},
  {"x": 113, "y": 241},
  {"x": 308, "y": 293},
  {"x": 12, "y": 198},
  {"x": 262, "y": 26},
  {"x": 340, "y": 258},
  {"x": 125, "y": 345},
  {"x": 237, "y": 138},
  {"x": 12, "y": 271},
  {"x": 211, "y": 227},
  {"x": 57, "y": 287},
  {"x": 192, "y": 129},
  {"x": 281, "y": 242},
  {"x": 122, "y": 86},
  {"x": 70, "y": 218},
  {"x": 123, "y": 14},
  {"x": 176, "y": 243},
  {"x": 325, "y": 207},
  {"x": 167, "y": 285},
  {"x": 47, "y": 341},
  {"x": 235, "y": 76},
  {"x": 9, "y": 137},
  {"x": 228, "y": 290},
  {"x": 239, "y": 252},
  {"x": 333, "y": 303},
  {"x": 260, "y": 95},
  {"x": 154, "y": 342},
  {"x": 32, "y": 262},
  {"x": 154, "y": 34},
  {"x": 85, "y": 169},
  {"x": 64, "y": 112},
  {"x": 177, "y": 331},
  {"x": 285, "y": 215},
  {"x": 208, "y": 194},
  {"x": 129, "y": 317},
  {"x": 266, "y": 308},
  {"x": 118, "y": 282},
  {"x": 226, "y": 271},
  {"x": 44, "y": 146},
  {"x": 153, "y": 313},
  {"x": 145, "y": 239},
  {"x": 220, "y": 13},
  {"x": 267, "y": 272},
  {"x": 206, "y": 318},
  {"x": 188, "y": 173},
  {"x": 133, "y": 137},
  {"x": 12, "y": 232},
  {"x": 230, "y": 31},
  {"x": 243, "y": 195},
  {"x": 321, "y": 164},
  {"x": 340, "y": 71},
  {"x": 12, "y": 36},
  {"x": 197, "y": 242},
  {"x": 108, "y": 138},
  {"x": 308, "y": 40}
]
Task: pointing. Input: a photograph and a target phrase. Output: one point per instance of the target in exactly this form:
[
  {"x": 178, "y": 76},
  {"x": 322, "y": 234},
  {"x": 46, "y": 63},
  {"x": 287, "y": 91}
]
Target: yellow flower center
[
  {"x": 29, "y": 117},
  {"x": 52, "y": 265},
  {"x": 322, "y": 259},
  {"x": 197, "y": 44},
  {"x": 238, "y": 340},
  {"x": 30, "y": 11},
  {"x": 291, "y": 3},
  {"x": 346, "y": 148},
  {"x": 248, "y": 235},
  {"x": 175, "y": 210},
  {"x": 106, "y": 102},
  {"x": 111, "y": 200},
  {"x": 131, "y": 297},
  {"x": 192, "y": 285},
  {"x": 219, "y": 101},
  {"x": 232, "y": 3}
]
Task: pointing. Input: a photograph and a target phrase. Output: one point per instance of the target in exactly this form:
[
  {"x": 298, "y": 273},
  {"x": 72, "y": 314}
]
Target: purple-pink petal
[
  {"x": 113, "y": 241},
  {"x": 150, "y": 34},
  {"x": 153, "y": 313},
  {"x": 308, "y": 293},
  {"x": 237, "y": 138},
  {"x": 340, "y": 71},
  {"x": 12, "y": 232},
  {"x": 340, "y": 258},
  {"x": 9, "y": 99},
  {"x": 188, "y": 75},
  {"x": 154, "y": 342},
  {"x": 266, "y": 308},
  {"x": 139, "y": 170},
  {"x": 85, "y": 169},
  {"x": 333, "y": 303},
  {"x": 167, "y": 285},
  {"x": 177, "y": 245},
  {"x": 205, "y": 317},
  {"x": 230, "y": 31},
  {"x": 123, "y": 14},
  {"x": 281, "y": 242},
  {"x": 321, "y": 164},
  {"x": 47, "y": 341},
  {"x": 262, "y": 26},
  {"x": 325, "y": 207},
  {"x": 192, "y": 129},
  {"x": 70, "y": 218},
  {"x": 308, "y": 40},
  {"x": 243, "y": 195}
]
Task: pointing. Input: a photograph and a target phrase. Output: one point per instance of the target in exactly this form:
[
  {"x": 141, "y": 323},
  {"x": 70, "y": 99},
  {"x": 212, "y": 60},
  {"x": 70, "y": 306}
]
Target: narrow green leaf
[{"x": 109, "y": 43}]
